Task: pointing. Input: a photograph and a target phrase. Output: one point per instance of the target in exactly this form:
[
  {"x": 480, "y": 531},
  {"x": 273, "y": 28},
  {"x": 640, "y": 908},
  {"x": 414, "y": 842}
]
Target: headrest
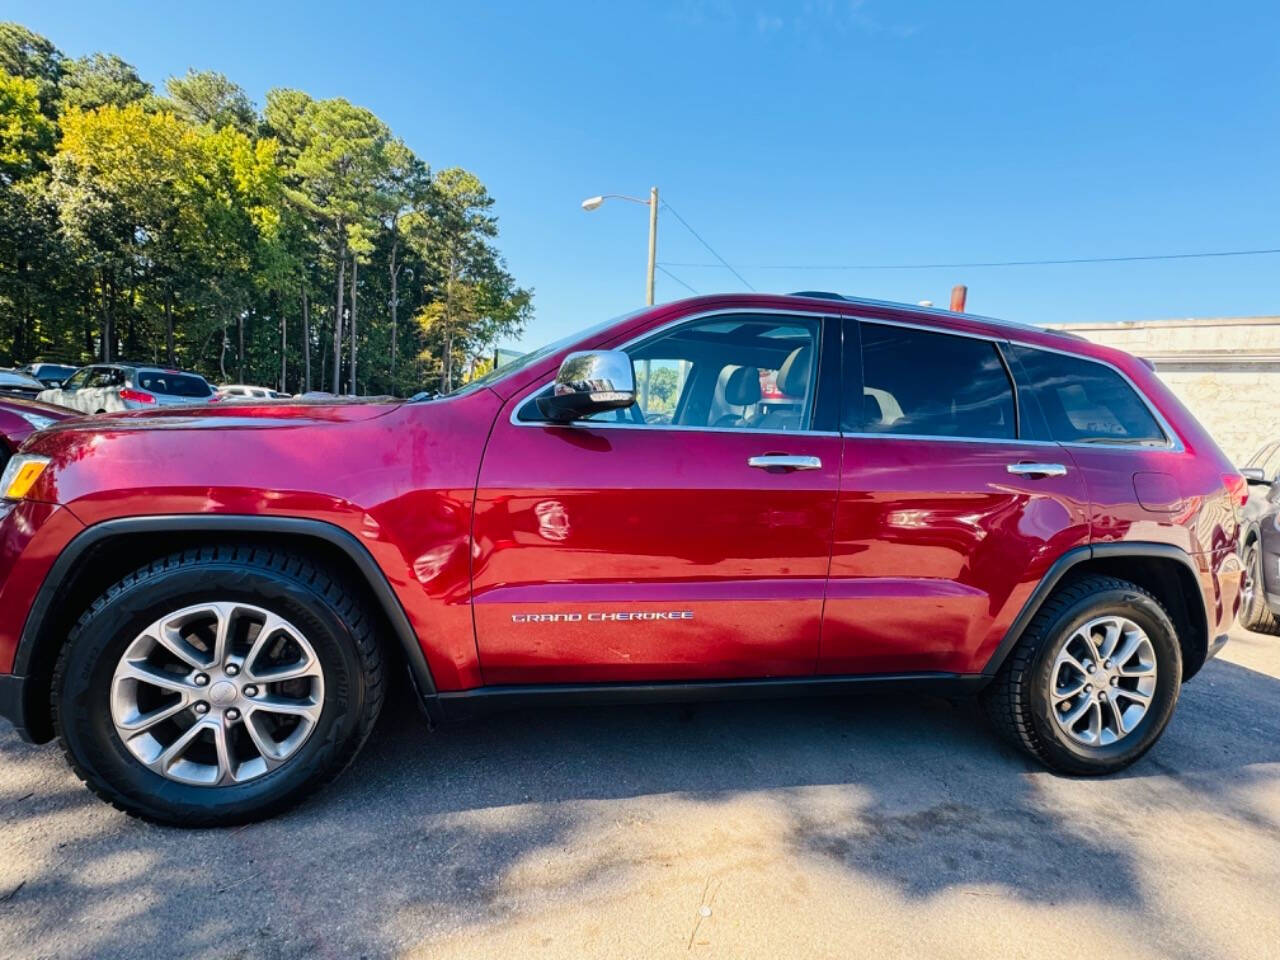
[
  {"x": 793, "y": 376},
  {"x": 872, "y": 411},
  {"x": 743, "y": 387}
]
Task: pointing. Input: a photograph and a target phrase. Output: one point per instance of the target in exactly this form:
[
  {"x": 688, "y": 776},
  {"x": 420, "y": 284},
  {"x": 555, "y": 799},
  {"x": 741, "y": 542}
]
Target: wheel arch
[
  {"x": 102, "y": 553},
  {"x": 1166, "y": 571}
]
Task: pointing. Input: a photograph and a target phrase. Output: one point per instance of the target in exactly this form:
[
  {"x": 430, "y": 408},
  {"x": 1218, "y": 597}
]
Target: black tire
[
  {"x": 1019, "y": 702},
  {"x": 1256, "y": 615},
  {"x": 336, "y": 622}
]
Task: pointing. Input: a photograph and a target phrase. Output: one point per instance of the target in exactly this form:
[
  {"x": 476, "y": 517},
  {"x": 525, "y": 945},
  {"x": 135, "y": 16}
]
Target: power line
[
  {"x": 675, "y": 278},
  {"x": 723, "y": 262},
  {"x": 989, "y": 263}
]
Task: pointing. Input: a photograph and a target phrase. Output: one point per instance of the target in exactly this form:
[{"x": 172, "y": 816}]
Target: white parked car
[
  {"x": 107, "y": 387},
  {"x": 243, "y": 391}
]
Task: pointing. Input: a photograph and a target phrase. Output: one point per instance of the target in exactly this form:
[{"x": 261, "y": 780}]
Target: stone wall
[{"x": 1225, "y": 369}]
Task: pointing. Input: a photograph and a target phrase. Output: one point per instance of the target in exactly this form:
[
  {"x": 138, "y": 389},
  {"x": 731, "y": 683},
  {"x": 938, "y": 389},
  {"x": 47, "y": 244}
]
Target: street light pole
[{"x": 593, "y": 203}]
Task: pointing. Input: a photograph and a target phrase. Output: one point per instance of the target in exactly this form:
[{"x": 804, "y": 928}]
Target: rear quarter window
[{"x": 1084, "y": 401}]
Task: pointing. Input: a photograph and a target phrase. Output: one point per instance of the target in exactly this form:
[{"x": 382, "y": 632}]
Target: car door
[
  {"x": 948, "y": 515},
  {"x": 685, "y": 538},
  {"x": 68, "y": 395}
]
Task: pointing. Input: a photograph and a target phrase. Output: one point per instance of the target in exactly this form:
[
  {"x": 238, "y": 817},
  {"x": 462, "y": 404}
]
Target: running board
[{"x": 454, "y": 705}]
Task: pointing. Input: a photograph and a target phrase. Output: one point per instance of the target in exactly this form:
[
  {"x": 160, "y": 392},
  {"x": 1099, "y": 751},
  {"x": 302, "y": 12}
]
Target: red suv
[{"x": 732, "y": 496}]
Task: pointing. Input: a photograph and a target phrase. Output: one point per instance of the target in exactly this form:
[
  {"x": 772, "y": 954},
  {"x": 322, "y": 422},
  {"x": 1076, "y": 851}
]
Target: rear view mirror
[
  {"x": 1254, "y": 474},
  {"x": 590, "y": 381}
]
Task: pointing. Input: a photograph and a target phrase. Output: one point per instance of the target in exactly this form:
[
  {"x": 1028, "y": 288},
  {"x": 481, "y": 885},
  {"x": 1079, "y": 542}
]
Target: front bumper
[
  {"x": 32, "y": 535},
  {"x": 13, "y": 704}
]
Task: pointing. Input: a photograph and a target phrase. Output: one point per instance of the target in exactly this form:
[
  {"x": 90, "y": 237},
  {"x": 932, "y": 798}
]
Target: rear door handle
[
  {"x": 1037, "y": 469},
  {"x": 780, "y": 461}
]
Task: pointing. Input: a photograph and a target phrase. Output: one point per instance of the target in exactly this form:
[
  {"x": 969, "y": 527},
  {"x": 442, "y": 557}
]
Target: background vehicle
[
  {"x": 203, "y": 606},
  {"x": 20, "y": 418},
  {"x": 106, "y": 387},
  {"x": 1260, "y": 471},
  {"x": 1260, "y": 552},
  {"x": 15, "y": 383},
  {"x": 241, "y": 391},
  {"x": 50, "y": 374}
]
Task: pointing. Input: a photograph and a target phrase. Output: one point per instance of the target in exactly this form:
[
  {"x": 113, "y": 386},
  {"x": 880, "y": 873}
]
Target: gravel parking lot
[{"x": 875, "y": 826}]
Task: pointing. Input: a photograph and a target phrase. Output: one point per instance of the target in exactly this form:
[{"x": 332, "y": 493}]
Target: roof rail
[
  {"x": 917, "y": 308},
  {"x": 819, "y": 295}
]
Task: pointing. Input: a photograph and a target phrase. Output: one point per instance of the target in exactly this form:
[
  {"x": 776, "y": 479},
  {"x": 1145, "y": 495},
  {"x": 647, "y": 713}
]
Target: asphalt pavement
[{"x": 867, "y": 827}]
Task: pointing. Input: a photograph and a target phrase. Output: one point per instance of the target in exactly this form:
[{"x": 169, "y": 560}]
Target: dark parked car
[
  {"x": 205, "y": 604},
  {"x": 20, "y": 418},
  {"x": 1260, "y": 543}
]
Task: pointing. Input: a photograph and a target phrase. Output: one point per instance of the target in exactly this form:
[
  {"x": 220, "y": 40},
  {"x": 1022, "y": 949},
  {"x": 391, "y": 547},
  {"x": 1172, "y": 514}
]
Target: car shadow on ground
[{"x": 914, "y": 792}]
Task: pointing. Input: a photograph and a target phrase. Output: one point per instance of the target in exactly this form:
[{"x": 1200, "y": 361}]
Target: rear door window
[
  {"x": 173, "y": 384},
  {"x": 929, "y": 384},
  {"x": 1084, "y": 401}
]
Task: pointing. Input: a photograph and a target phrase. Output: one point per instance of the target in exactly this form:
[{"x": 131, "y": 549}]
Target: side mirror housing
[
  {"x": 590, "y": 381},
  {"x": 1254, "y": 474}
]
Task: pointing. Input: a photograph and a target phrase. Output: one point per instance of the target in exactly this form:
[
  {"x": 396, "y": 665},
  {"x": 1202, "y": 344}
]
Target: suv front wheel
[
  {"x": 1093, "y": 681},
  {"x": 218, "y": 685}
]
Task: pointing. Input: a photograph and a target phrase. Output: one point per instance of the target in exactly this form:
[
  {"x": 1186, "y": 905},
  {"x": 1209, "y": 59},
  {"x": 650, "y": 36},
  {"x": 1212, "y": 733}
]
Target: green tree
[
  {"x": 190, "y": 228},
  {"x": 98, "y": 80},
  {"x": 26, "y": 135},
  {"x": 205, "y": 97},
  {"x": 32, "y": 57},
  {"x": 476, "y": 299},
  {"x": 336, "y": 155}
]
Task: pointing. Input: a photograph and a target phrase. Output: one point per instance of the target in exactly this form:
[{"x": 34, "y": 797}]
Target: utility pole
[{"x": 653, "y": 243}]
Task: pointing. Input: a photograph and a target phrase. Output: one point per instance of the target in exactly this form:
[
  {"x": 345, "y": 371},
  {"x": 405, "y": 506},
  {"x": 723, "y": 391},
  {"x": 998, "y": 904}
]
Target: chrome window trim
[
  {"x": 1173, "y": 442},
  {"x": 684, "y": 428}
]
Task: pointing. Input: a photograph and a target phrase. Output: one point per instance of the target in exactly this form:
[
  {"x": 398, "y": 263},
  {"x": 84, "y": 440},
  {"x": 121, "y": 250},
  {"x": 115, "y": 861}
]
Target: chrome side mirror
[
  {"x": 1254, "y": 474},
  {"x": 590, "y": 381}
]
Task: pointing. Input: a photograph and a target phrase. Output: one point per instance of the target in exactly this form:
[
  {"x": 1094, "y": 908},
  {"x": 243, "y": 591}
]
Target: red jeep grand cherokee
[{"x": 727, "y": 496}]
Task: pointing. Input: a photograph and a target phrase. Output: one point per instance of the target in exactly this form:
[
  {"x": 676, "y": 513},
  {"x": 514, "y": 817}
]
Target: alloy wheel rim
[
  {"x": 1247, "y": 579},
  {"x": 1103, "y": 681},
  {"x": 217, "y": 694}
]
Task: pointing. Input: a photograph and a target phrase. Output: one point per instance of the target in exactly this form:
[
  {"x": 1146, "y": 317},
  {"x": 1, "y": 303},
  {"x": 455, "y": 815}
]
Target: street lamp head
[{"x": 592, "y": 203}]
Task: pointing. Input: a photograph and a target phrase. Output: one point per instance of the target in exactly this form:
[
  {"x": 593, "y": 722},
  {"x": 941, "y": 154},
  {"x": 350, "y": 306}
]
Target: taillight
[
  {"x": 137, "y": 396},
  {"x": 216, "y": 398},
  {"x": 1237, "y": 489}
]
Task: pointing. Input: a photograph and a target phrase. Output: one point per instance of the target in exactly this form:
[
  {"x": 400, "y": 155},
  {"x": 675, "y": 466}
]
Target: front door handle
[
  {"x": 782, "y": 461},
  {"x": 1037, "y": 469}
]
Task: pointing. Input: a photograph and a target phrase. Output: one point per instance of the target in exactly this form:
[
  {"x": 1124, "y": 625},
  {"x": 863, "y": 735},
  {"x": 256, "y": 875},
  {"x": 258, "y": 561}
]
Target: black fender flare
[
  {"x": 228, "y": 525},
  {"x": 1073, "y": 558}
]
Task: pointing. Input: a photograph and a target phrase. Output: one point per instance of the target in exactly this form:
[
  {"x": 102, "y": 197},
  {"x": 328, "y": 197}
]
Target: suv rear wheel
[
  {"x": 1093, "y": 681},
  {"x": 218, "y": 686}
]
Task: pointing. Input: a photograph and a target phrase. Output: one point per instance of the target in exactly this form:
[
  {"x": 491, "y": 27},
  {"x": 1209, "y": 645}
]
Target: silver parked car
[
  {"x": 50, "y": 374},
  {"x": 106, "y": 387}
]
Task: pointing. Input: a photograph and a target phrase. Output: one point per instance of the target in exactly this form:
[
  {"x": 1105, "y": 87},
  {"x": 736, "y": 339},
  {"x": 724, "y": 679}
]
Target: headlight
[
  {"x": 37, "y": 421},
  {"x": 20, "y": 475}
]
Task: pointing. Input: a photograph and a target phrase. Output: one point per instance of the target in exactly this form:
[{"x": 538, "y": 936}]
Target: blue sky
[{"x": 801, "y": 134}]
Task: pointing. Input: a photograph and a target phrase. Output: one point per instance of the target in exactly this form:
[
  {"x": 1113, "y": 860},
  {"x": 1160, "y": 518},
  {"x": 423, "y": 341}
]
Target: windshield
[{"x": 529, "y": 359}]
